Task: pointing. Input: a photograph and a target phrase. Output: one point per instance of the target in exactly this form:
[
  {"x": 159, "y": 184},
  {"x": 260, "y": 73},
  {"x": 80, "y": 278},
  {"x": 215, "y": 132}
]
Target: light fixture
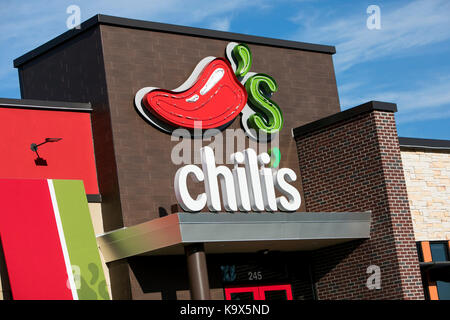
[{"x": 34, "y": 147}]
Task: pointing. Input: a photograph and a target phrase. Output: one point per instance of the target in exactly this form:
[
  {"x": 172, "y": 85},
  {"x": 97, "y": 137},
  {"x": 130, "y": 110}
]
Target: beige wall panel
[
  {"x": 97, "y": 221},
  {"x": 427, "y": 177}
]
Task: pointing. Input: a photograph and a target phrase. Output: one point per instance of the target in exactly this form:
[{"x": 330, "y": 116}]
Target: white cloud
[
  {"x": 420, "y": 102},
  {"x": 413, "y": 25},
  {"x": 406, "y": 29},
  {"x": 425, "y": 96},
  {"x": 349, "y": 87},
  {"x": 221, "y": 24},
  {"x": 26, "y": 24},
  {"x": 443, "y": 113}
]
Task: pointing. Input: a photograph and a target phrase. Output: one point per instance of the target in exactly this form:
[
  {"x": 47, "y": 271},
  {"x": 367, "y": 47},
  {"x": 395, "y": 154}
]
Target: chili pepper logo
[
  {"x": 261, "y": 114},
  {"x": 216, "y": 92}
]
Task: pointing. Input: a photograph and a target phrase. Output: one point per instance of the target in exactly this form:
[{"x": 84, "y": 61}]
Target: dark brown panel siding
[
  {"x": 74, "y": 72},
  {"x": 138, "y": 58},
  {"x": 106, "y": 65}
]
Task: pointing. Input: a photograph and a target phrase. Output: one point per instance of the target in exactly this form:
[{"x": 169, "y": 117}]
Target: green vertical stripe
[{"x": 80, "y": 239}]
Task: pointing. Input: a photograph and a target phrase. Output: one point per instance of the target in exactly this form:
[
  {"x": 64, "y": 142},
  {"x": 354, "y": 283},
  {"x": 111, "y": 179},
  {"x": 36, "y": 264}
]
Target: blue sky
[{"x": 406, "y": 61}]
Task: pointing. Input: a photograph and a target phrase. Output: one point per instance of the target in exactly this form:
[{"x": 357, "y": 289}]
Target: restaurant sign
[{"x": 216, "y": 92}]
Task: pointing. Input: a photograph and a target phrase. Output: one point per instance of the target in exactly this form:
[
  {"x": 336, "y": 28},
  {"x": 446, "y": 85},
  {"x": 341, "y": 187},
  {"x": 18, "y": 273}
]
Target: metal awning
[
  {"x": 436, "y": 270},
  {"x": 235, "y": 232}
]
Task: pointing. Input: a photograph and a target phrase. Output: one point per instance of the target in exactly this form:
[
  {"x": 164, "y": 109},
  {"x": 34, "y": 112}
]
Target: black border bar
[
  {"x": 171, "y": 309},
  {"x": 45, "y": 105},
  {"x": 418, "y": 143},
  {"x": 94, "y": 198},
  {"x": 169, "y": 28}
]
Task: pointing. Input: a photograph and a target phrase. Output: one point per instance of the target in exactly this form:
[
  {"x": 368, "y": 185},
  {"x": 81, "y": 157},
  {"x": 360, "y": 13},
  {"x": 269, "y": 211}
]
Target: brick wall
[
  {"x": 355, "y": 165},
  {"x": 427, "y": 175}
]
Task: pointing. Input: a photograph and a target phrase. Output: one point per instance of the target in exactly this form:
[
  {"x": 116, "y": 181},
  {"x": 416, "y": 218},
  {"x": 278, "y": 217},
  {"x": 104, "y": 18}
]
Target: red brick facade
[{"x": 355, "y": 165}]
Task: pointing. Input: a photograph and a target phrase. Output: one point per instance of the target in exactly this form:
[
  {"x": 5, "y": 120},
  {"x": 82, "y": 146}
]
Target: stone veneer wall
[{"x": 427, "y": 175}]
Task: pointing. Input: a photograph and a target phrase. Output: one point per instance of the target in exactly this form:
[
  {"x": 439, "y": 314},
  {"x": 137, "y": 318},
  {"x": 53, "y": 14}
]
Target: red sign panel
[
  {"x": 31, "y": 243},
  {"x": 69, "y": 154}
]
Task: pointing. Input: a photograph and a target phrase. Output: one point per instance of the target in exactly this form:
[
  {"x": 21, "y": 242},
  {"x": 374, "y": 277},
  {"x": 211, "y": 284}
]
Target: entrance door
[{"x": 275, "y": 292}]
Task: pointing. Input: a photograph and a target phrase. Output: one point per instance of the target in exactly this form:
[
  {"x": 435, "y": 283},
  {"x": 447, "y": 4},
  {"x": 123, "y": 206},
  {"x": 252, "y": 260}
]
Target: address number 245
[{"x": 255, "y": 275}]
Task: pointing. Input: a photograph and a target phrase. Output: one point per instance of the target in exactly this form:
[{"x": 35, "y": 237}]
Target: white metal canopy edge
[{"x": 235, "y": 232}]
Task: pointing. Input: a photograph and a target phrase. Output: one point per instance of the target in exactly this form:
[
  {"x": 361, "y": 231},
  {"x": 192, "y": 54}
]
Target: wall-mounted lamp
[{"x": 34, "y": 147}]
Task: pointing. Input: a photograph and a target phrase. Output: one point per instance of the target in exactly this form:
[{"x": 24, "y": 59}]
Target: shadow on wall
[
  {"x": 327, "y": 259},
  {"x": 159, "y": 274},
  {"x": 5, "y": 286}
]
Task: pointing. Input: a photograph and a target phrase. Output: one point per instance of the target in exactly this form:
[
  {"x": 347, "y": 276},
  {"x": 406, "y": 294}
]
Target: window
[
  {"x": 443, "y": 288},
  {"x": 439, "y": 251},
  {"x": 434, "y": 257}
]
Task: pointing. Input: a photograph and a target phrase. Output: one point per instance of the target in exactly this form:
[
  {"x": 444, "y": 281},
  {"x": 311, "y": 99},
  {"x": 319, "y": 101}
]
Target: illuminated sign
[
  {"x": 214, "y": 98},
  {"x": 247, "y": 188},
  {"x": 215, "y": 93},
  {"x": 261, "y": 114}
]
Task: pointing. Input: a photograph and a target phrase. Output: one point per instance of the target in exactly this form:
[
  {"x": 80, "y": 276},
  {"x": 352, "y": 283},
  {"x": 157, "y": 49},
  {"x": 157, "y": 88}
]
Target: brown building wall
[
  {"x": 140, "y": 58},
  {"x": 355, "y": 165},
  {"x": 106, "y": 65},
  {"x": 74, "y": 72}
]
